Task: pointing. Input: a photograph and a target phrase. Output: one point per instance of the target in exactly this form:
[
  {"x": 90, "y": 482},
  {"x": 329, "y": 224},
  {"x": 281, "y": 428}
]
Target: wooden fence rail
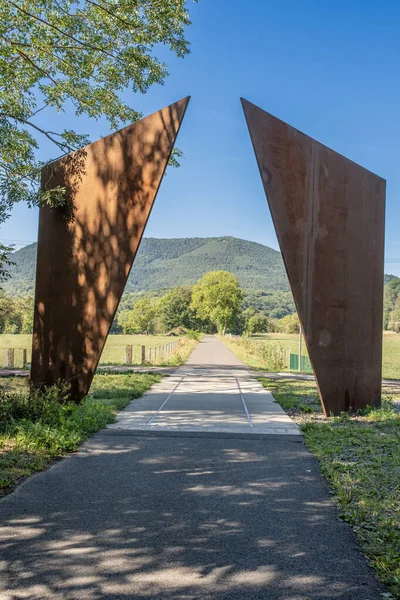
[
  {"x": 147, "y": 354},
  {"x": 11, "y": 357},
  {"x": 150, "y": 355}
]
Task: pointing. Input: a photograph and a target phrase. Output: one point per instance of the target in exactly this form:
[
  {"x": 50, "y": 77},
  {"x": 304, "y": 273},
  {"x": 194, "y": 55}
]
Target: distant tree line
[
  {"x": 16, "y": 314},
  {"x": 391, "y": 305},
  {"x": 216, "y": 303}
]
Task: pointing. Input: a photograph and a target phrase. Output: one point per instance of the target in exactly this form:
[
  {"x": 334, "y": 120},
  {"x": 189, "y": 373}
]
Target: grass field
[
  {"x": 114, "y": 351},
  {"x": 391, "y": 350},
  {"x": 360, "y": 457},
  {"x": 113, "y": 354}
]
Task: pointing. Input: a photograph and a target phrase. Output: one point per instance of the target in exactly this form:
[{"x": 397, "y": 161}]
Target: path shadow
[{"x": 179, "y": 519}]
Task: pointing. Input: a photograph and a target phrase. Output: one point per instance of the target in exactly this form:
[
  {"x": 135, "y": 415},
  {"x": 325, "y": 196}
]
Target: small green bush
[
  {"x": 48, "y": 419},
  {"x": 33, "y": 405},
  {"x": 191, "y": 334}
]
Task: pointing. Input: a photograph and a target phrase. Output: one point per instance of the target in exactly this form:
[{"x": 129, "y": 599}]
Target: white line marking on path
[
  {"x": 149, "y": 422},
  {"x": 244, "y": 404}
]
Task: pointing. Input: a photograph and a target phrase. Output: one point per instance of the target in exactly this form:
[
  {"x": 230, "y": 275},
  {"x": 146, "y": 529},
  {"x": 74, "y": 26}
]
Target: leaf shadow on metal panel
[{"x": 85, "y": 254}]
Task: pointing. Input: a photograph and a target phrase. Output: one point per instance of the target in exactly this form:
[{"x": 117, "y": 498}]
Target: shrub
[
  {"x": 47, "y": 419},
  {"x": 32, "y": 405},
  {"x": 289, "y": 324},
  {"x": 191, "y": 334}
]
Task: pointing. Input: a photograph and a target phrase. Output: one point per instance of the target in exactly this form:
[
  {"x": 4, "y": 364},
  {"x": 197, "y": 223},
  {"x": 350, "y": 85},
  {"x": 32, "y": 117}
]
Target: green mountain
[
  {"x": 23, "y": 272},
  {"x": 166, "y": 263}
]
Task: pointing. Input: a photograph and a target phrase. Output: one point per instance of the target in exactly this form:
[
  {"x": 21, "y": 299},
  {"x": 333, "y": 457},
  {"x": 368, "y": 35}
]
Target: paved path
[
  {"x": 172, "y": 514},
  {"x": 212, "y": 393}
]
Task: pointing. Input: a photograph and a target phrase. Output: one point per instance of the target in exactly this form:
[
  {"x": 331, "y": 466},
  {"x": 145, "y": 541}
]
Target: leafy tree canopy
[
  {"x": 289, "y": 324},
  {"x": 82, "y": 55},
  {"x": 175, "y": 310},
  {"x": 16, "y": 316},
  {"x": 217, "y": 296},
  {"x": 141, "y": 319},
  {"x": 258, "y": 323}
]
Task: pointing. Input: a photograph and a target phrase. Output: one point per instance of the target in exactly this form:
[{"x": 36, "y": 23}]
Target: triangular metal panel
[
  {"x": 86, "y": 251},
  {"x": 329, "y": 218}
]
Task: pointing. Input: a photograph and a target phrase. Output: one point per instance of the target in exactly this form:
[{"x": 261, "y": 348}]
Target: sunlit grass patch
[
  {"x": 295, "y": 396},
  {"x": 360, "y": 457}
]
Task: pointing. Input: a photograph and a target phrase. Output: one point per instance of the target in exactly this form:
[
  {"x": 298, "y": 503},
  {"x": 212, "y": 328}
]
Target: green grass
[
  {"x": 391, "y": 351},
  {"x": 289, "y": 341},
  {"x": 114, "y": 351},
  {"x": 35, "y": 433},
  {"x": 295, "y": 397},
  {"x": 360, "y": 457},
  {"x": 268, "y": 356},
  {"x": 113, "y": 354},
  {"x": 391, "y": 356}
]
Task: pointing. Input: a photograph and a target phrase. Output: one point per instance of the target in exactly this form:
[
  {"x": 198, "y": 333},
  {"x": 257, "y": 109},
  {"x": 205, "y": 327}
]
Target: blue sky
[{"x": 329, "y": 69}]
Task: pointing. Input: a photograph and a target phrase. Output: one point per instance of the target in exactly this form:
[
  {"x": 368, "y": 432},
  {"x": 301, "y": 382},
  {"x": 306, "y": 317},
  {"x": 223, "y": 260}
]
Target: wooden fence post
[
  {"x": 10, "y": 358},
  {"x": 128, "y": 355},
  {"x": 143, "y": 354},
  {"x": 24, "y": 357},
  {"x": 149, "y": 355}
]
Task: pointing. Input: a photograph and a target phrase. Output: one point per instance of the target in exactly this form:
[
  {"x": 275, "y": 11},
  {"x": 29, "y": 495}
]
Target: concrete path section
[
  {"x": 184, "y": 503},
  {"x": 212, "y": 393}
]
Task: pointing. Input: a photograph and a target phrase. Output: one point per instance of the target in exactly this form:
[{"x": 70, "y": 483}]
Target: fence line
[
  {"x": 18, "y": 357},
  {"x": 304, "y": 365},
  {"x": 14, "y": 358},
  {"x": 149, "y": 355}
]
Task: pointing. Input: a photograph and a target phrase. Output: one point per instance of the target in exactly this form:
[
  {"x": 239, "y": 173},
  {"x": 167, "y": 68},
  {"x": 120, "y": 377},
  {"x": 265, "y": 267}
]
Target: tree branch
[
  {"x": 63, "y": 33},
  {"x": 114, "y": 16},
  {"x": 27, "y": 58},
  {"x": 64, "y": 146}
]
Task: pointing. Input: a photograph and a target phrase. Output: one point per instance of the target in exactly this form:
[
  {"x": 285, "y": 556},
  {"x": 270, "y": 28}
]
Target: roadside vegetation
[
  {"x": 260, "y": 354},
  {"x": 182, "y": 351},
  {"x": 290, "y": 342},
  {"x": 215, "y": 304},
  {"x": 38, "y": 428},
  {"x": 159, "y": 311},
  {"x": 360, "y": 457}
]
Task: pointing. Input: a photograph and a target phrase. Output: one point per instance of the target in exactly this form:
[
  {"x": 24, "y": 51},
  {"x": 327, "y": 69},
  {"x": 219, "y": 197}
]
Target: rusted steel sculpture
[
  {"x": 329, "y": 217},
  {"x": 86, "y": 250}
]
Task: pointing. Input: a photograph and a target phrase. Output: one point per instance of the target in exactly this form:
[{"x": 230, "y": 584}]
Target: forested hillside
[
  {"x": 162, "y": 264},
  {"x": 166, "y": 263}
]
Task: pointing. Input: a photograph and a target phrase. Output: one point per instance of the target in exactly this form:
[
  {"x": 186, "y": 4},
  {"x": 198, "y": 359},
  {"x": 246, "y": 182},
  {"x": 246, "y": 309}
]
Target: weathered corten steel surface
[
  {"x": 85, "y": 252},
  {"x": 329, "y": 218}
]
